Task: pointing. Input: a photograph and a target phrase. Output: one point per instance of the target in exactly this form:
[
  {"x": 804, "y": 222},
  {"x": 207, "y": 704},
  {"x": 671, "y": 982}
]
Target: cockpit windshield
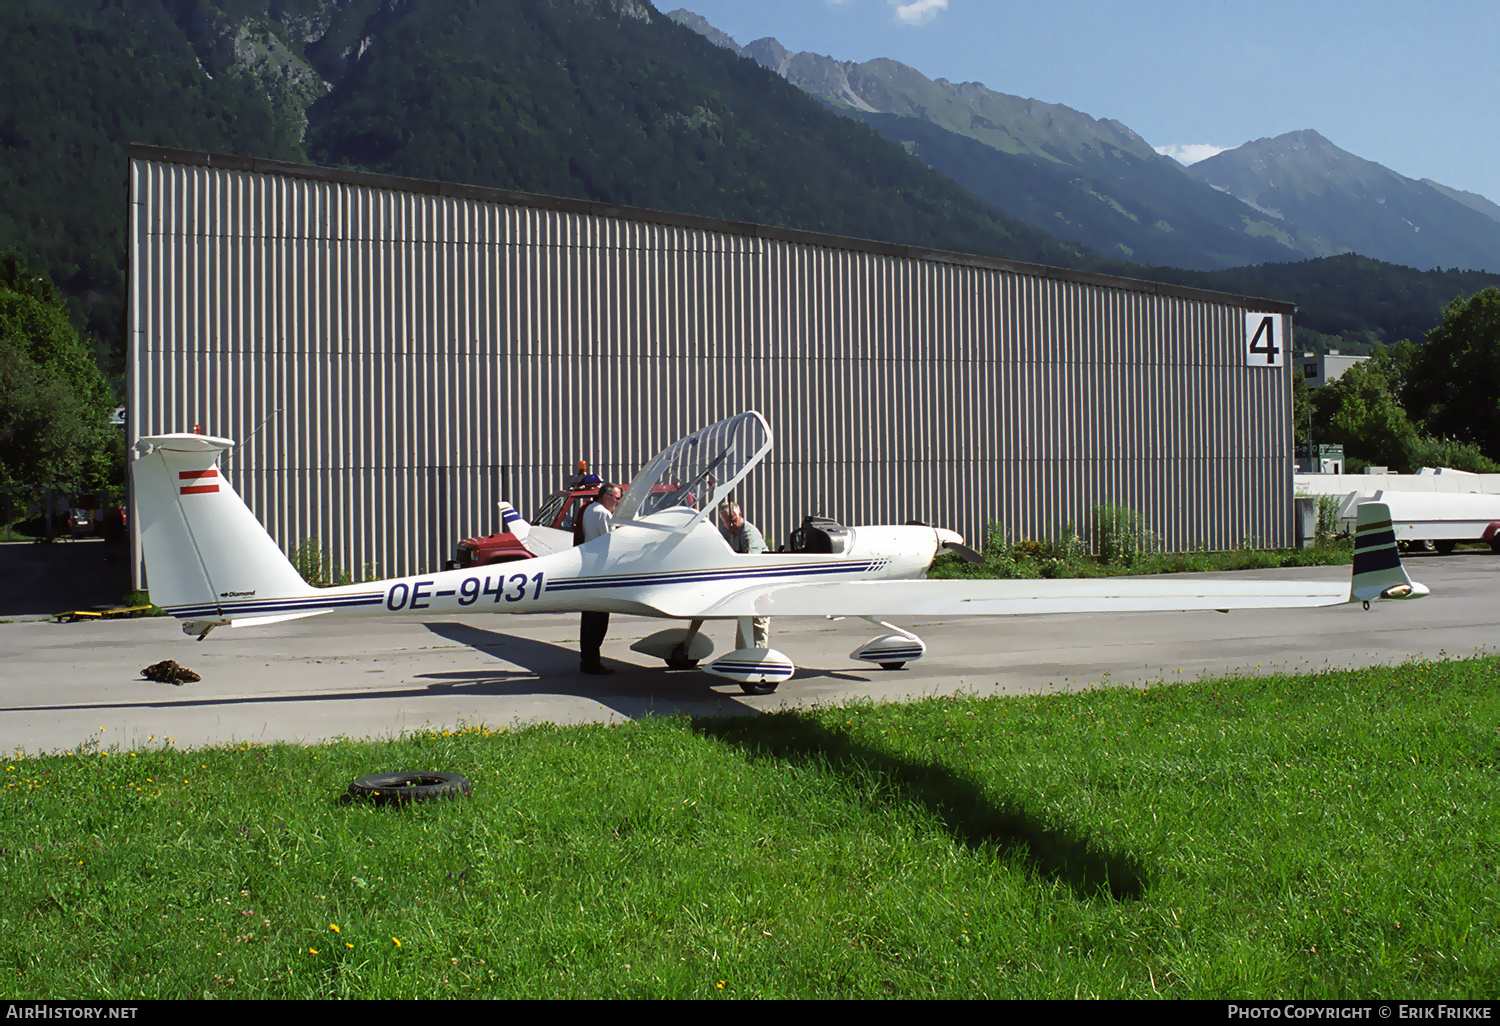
[{"x": 698, "y": 471}]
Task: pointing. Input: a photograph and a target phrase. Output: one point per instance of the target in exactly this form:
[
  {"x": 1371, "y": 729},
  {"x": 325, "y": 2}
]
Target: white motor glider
[{"x": 210, "y": 564}]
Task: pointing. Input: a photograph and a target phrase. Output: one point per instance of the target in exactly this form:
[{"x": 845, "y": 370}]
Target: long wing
[
  {"x": 1377, "y": 573},
  {"x": 1019, "y": 597}
]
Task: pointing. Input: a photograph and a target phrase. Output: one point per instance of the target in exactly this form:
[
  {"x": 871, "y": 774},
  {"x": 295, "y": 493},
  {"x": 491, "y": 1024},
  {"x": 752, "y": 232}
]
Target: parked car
[{"x": 560, "y": 511}]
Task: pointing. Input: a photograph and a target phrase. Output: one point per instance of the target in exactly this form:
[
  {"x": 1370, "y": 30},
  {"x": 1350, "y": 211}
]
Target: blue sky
[{"x": 1408, "y": 84}]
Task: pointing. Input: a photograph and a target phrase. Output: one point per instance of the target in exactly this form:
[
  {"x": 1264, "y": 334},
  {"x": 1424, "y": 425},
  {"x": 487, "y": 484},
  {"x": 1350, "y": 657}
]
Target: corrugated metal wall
[{"x": 396, "y": 361}]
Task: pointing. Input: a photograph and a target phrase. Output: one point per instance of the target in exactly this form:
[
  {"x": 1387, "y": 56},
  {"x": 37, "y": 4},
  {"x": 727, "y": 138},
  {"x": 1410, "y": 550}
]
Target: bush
[
  {"x": 316, "y": 567},
  {"x": 1432, "y": 452},
  {"x": 1120, "y": 535},
  {"x": 1126, "y": 547},
  {"x": 1328, "y": 519}
]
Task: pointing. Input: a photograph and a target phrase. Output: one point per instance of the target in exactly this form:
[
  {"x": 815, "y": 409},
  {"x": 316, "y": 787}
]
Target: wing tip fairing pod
[
  {"x": 664, "y": 644},
  {"x": 753, "y": 666},
  {"x": 891, "y": 650}
]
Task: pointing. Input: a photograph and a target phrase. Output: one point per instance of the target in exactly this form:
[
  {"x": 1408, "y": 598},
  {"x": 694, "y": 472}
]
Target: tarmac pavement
[{"x": 62, "y": 685}]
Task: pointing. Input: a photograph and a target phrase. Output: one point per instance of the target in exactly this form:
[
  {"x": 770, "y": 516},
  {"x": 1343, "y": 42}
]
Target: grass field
[{"x": 1333, "y": 835}]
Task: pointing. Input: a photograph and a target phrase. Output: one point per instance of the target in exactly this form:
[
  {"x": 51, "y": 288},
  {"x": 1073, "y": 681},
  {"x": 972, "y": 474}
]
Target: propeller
[{"x": 963, "y": 551}]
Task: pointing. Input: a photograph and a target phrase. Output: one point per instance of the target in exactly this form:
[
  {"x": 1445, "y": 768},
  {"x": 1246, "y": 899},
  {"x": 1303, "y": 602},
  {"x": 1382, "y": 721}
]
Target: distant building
[
  {"x": 1320, "y": 369},
  {"x": 1319, "y": 459}
]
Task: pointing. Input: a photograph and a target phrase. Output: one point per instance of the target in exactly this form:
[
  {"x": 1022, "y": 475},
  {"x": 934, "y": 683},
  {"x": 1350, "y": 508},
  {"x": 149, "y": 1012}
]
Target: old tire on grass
[{"x": 409, "y": 786}]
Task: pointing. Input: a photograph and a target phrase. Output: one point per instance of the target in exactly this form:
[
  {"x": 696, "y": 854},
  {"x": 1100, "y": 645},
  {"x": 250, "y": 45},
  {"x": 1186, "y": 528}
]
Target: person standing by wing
[
  {"x": 594, "y": 626},
  {"x": 743, "y": 537}
]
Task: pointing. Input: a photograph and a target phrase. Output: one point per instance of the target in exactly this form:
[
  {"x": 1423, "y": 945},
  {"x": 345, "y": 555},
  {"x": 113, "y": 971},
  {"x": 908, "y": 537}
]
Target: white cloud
[
  {"x": 918, "y": 12},
  {"x": 1190, "y": 153}
]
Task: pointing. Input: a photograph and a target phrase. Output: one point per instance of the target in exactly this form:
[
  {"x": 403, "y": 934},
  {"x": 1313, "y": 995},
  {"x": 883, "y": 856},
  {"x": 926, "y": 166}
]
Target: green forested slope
[
  {"x": 575, "y": 100},
  {"x": 1349, "y": 297},
  {"x": 566, "y": 98},
  {"x": 76, "y": 95}
]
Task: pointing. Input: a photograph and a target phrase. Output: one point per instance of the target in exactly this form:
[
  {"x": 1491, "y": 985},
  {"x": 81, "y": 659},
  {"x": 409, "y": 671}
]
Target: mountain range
[
  {"x": 610, "y": 101},
  {"x": 1099, "y": 183}
]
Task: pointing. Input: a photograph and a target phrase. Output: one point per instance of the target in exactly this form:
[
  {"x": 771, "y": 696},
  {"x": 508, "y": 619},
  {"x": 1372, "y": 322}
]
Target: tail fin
[
  {"x": 205, "y": 552},
  {"x": 513, "y": 522},
  {"x": 1378, "y": 572}
]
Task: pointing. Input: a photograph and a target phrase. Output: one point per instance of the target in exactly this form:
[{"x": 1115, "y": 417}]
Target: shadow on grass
[{"x": 969, "y": 816}]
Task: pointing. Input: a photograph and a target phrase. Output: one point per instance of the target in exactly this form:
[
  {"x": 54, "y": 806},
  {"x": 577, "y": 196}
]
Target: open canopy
[{"x": 698, "y": 471}]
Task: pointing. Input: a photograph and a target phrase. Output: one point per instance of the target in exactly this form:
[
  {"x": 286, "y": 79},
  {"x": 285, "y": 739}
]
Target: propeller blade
[{"x": 963, "y": 550}]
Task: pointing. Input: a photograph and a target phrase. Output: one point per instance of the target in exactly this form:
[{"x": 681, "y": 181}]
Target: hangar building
[{"x": 396, "y": 356}]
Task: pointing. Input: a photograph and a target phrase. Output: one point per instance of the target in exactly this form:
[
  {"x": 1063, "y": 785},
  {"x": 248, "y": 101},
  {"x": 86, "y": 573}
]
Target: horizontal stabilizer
[{"x": 259, "y": 621}]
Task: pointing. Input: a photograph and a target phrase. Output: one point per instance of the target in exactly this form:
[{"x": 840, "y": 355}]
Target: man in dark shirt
[{"x": 595, "y": 626}]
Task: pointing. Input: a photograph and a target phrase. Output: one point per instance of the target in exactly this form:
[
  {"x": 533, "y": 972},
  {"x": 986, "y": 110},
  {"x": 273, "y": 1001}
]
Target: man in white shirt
[{"x": 595, "y": 626}]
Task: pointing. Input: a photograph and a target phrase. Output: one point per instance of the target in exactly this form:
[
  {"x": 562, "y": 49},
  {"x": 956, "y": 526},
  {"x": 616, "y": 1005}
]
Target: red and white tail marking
[{"x": 198, "y": 475}]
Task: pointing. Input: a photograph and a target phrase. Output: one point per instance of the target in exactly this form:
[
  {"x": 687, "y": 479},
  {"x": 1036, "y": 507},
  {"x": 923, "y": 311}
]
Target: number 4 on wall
[{"x": 1264, "y": 344}]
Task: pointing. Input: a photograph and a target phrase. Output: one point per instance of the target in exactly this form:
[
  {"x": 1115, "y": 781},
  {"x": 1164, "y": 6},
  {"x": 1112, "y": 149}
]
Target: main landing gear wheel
[
  {"x": 679, "y": 660},
  {"x": 891, "y": 666},
  {"x": 758, "y": 687},
  {"x": 400, "y": 788}
]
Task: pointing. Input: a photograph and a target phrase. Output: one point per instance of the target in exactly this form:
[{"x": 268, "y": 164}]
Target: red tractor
[{"x": 560, "y": 511}]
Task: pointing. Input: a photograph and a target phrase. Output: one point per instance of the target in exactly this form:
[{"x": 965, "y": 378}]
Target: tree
[
  {"x": 1454, "y": 382},
  {"x": 1395, "y": 362},
  {"x": 1359, "y": 412},
  {"x": 54, "y": 405},
  {"x": 1302, "y": 410}
]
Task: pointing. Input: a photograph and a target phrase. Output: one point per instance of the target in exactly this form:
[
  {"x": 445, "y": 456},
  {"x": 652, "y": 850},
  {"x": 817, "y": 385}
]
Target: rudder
[
  {"x": 1378, "y": 572},
  {"x": 200, "y": 542}
]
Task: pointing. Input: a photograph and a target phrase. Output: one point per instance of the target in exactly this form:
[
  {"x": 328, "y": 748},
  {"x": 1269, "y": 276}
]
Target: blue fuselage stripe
[
  {"x": 741, "y": 575},
  {"x": 698, "y": 576}
]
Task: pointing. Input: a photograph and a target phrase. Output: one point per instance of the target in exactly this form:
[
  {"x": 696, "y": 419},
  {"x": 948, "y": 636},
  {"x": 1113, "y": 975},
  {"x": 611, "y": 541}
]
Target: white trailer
[{"x": 1442, "y": 519}]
